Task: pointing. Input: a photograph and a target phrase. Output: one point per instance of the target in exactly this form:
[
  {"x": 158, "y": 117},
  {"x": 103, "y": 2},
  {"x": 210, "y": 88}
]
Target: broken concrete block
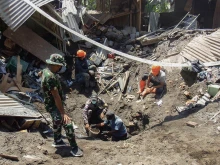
[
  {"x": 195, "y": 98},
  {"x": 207, "y": 95},
  {"x": 131, "y": 124},
  {"x": 191, "y": 124},
  {"x": 205, "y": 98},
  {"x": 201, "y": 102},
  {"x": 144, "y": 52},
  {"x": 111, "y": 35},
  {"x": 131, "y": 53},
  {"x": 133, "y": 30},
  {"x": 117, "y": 31},
  {"x": 129, "y": 47},
  {"x": 110, "y": 43},
  {"x": 132, "y": 36},
  {"x": 124, "y": 32},
  {"x": 137, "y": 47},
  {"x": 201, "y": 91},
  {"x": 186, "y": 93},
  {"x": 128, "y": 29},
  {"x": 88, "y": 44}
]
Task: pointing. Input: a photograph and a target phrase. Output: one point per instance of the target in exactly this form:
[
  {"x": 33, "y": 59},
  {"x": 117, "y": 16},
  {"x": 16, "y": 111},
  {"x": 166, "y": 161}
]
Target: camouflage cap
[{"x": 56, "y": 59}]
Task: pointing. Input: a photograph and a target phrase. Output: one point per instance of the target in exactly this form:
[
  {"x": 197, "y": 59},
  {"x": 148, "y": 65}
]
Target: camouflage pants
[{"x": 57, "y": 128}]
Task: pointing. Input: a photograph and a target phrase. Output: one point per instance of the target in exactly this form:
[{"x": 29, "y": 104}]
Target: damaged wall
[{"x": 206, "y": 9}]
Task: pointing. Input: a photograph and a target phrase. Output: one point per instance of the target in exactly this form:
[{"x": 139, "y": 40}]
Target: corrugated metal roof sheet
[
  {"x": 10, "y": 107},
  {"x": 203, "y": 48},
  {"x": 15, "y": 12},
  {"x": 69, "y": 19}
]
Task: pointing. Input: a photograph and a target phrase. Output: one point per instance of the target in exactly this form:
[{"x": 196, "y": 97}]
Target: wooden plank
[
  {"x": 19, "y": 70},
  {"x": 31, "y": 42},
  {"x": 33, "y": 123},
  {"x": 4, "y": 86},
  {"x": 22, "y": 89},
  {"x": 11, "y": 157},
  {"x": 127, "y": 74},
  {"x": 188, "y": 5}
]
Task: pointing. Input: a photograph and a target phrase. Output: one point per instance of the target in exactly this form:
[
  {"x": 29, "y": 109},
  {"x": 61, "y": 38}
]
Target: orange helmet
[
  {"x": 81, "y": 53},
  {"x": 155, "y": 70}
]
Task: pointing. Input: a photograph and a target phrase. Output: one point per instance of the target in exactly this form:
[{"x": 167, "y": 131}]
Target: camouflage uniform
[{"x": 49, "y": 82}]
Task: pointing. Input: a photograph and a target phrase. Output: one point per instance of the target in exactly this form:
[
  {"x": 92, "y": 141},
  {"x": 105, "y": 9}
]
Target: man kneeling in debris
[
  {"x": 84, "y": 72},
  {"x": 94, "y": 111},
  {"x": 118, "y": 129},
  {"x": 53, "y": 99},
  {"x": 157, "y": 78}
]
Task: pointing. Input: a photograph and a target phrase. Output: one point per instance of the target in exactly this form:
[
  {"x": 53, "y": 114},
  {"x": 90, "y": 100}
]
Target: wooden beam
[
  {"x": 50, "y": 31},
  {"x": 11, "y": 157}
]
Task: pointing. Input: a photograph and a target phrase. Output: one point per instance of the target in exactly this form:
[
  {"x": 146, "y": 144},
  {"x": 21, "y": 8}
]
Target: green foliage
[
  {"x": 91, "y": 5},
  {"x": 158, "y": 7}
]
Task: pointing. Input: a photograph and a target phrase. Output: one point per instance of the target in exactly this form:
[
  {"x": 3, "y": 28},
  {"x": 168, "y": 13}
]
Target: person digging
[
  {"x": 118, "y": 130},
  {"x": 94, "y": 111},
  {"x": 157, "y": 78},
  {"x": 54, "y": 100}
]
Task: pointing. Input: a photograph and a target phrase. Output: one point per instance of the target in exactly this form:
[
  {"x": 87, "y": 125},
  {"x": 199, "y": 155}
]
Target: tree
[{"x": 157, "y": 6}]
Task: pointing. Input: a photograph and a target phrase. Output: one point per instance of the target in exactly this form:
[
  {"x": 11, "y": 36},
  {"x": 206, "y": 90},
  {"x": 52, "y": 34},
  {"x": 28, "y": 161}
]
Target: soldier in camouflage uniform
[{"x": 53, "y": 99}]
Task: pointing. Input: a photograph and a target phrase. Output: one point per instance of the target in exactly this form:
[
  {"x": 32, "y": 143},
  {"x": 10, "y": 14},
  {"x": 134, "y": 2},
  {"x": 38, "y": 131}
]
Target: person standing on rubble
[
  {"x": 84, "y": 72},
  {"x": 118, "y": 130},
  {"x": 157, "y": 78},
  {"x": 54, "y": 101},
  {"x": 94, "y": 111}
]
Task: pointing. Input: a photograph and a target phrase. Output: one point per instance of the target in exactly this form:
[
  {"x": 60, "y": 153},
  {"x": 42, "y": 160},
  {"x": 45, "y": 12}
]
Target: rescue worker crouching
[
  {"x": 118, "y": 129},
  {"x": 157, "y": 78},
  {"x": 84, "y": 72},
  {"x": 94, "y": 111}
]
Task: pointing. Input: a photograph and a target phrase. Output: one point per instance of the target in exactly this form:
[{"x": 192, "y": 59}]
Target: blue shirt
[{"x": 117, "y": 125}]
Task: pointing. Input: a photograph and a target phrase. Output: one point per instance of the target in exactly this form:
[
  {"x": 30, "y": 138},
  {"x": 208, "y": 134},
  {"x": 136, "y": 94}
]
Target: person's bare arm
[
  {"x": 148, "y": 81},
  {"x": 59, "y": 105}
]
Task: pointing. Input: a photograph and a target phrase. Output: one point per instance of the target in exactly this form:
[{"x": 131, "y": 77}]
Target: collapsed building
[{"x": 119, "y": 25}]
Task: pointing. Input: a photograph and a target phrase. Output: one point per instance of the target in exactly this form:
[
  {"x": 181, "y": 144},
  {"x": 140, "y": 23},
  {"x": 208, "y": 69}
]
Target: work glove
[{"x": 93, "y": 126}]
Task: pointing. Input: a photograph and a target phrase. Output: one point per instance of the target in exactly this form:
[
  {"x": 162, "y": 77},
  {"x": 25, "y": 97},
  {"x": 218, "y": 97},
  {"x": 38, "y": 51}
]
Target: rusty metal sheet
[{"x": 32, "y": 43}]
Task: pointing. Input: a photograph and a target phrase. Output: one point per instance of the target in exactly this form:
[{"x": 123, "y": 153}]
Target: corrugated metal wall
[
  {"x": 203, "y": 48},
  {"x": 15, "y": 12}
]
